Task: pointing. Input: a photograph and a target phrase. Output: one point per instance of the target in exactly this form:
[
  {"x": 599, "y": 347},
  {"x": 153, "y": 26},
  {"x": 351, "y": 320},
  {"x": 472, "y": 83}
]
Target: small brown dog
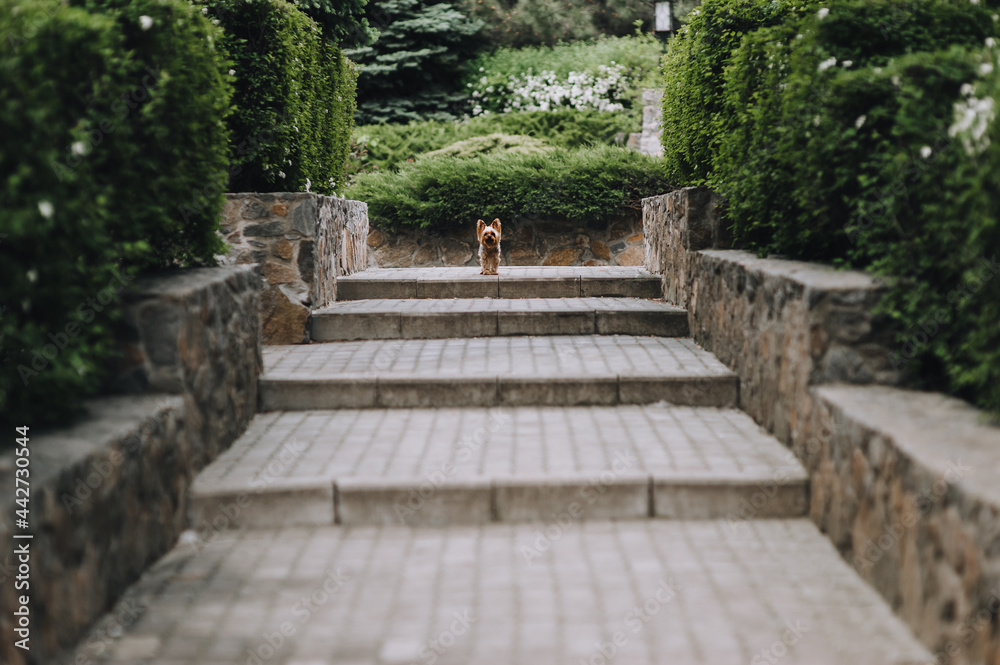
[{"x": 489, "y": 246}]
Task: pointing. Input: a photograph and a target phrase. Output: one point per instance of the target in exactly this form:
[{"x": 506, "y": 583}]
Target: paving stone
[
  {"x": 512, "y": 282},
  {"x": 642, "y": 592},
  {"x": 564, "y": 370},
  {"x": 475, "y": 317},
  {"x": 622, "y": 462}
]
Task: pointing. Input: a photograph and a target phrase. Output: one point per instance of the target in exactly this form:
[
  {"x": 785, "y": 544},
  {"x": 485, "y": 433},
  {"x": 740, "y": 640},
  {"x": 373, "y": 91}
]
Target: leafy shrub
[
  {"x": 343, "y": 21},
  {"x": 492, "y": 143},
  {"x": 613, "y": 69},
  {"x": 294, "y": 99},
  {"x": 864, "y": 133},
  {"x": 412, "y": 71},
  {"x": 534, "y": 22},
  {"x": 693, "y": 69},
  {"x": 386, "y": 146},
  {"x": 108, "y": 118},
  {"x": 588, "y": 185}
]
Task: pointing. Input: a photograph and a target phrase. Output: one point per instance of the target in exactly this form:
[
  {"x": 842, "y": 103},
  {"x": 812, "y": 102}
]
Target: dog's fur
[{"x": 489, "y": 246}]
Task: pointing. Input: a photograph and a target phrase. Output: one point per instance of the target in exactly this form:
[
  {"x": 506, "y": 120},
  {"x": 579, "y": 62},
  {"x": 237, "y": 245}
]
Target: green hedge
[
  {"x": 839, "y": 138},
  {"x": 588, "y": 185},
  {"x": 109, "y": 115},
  {"x": 294, "y": 99},
  {"x": 387, "y": 146}
]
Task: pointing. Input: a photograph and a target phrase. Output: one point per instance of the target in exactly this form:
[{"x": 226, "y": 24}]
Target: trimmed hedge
[
  {"x": 294, "y": 99},
  {"x": 587, "y": 185},
  {"x": 387, "y": 146},
  {"x": 108, "y": 118},
  {"x": 863, "y": 133}
]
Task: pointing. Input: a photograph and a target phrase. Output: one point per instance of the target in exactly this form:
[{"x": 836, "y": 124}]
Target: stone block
[
  {"x": 573, "y": 497},
  {"x": 382, "y": 502},
  {"x": 284, "y": 319}
]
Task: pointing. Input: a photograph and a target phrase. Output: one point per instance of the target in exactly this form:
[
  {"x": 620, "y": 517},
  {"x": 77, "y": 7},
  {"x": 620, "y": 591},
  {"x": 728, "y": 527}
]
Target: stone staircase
[{"x": 538, "y": 467}]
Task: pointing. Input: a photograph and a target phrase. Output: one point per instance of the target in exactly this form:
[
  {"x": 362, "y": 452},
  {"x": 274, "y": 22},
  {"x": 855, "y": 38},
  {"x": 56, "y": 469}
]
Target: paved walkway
[{"x": 494, "y": 498}]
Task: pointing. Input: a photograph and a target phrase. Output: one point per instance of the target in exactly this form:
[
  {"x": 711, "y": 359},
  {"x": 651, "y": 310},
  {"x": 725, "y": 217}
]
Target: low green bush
[
  {"x": 587, "y": 185},
  {"x": 110, "y": 113},
  {"x": 492, "y": 143},
  {"x": 386, "y": 146},
  {"x": 294, "y": 99}
]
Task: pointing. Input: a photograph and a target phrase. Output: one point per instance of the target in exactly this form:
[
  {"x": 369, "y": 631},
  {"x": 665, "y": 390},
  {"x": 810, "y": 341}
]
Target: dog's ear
[
  {"x": 496, "y": 224},
  {"x": 480, "y": 227}
]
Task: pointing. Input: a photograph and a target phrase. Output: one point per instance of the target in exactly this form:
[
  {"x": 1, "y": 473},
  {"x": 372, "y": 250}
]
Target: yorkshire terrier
[{"x": 489, "y": 246}]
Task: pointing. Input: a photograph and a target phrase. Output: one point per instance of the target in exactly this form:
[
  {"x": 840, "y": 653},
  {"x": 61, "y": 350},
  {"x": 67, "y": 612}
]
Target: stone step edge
[
  {"x": 289, "y": 393},
  {"x": 329, "y": 326},
  {"x": 360, "y": 288},
  {"x": 435, "y": 501}
]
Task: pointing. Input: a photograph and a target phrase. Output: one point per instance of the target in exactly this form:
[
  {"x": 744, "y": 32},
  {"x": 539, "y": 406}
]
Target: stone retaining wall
[
  {"x": 904, "y": 483},
  {"x": 526, "y": 241},
  {"x": 109, "y": 494},
  {"x": 302, "y": 242}
]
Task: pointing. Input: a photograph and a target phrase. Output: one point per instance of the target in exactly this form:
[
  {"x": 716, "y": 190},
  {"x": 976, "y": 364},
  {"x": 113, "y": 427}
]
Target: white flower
[
  {"x": 798, "y": 36},
  {"x": 816, "y": 120},
  {"x": 990, "y": 42},
  {"x": 972, "y": 120},
  {"x": 215, "y": 21},
  {"x": 860, "y": 122},
  {"x": 826, "y": 64},
  {"x": 32, "y": 275},
  {"x": 847, "y": 63},
  {"x": 308, "y": 184},
  {"x": 822, "y": 13},
  {"x": 46, "y": 208},
  {"x": 204, "y": 10},
  {"x": 926, "y": 151},
  {"x": 281, "y": 174},
  {"x": 146, "y": 22},
  {"x": 975, "y": 2},
  {"x": 966, "y": 89},
  {"x": 78, "y": 148},
  {"x": 232, "y": 72},
  {"x": 985, "y": 68},
  {"x": 896, "y": 81}
]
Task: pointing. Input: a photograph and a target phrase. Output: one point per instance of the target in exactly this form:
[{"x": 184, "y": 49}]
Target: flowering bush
[
  {"x": 604, "y": 91},
  {"x": 605, "y": 74}
]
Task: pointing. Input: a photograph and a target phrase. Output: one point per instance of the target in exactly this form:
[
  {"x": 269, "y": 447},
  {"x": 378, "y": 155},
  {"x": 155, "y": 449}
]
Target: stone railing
[
  {"x": 109, "y": 494},
  {"x": 302, "y": 242},
  {"x": 904, "y": 483},
  {"x": 527, "y": 241}
]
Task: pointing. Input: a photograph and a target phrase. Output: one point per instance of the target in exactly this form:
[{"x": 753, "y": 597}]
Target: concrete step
[
  {"x": 512, "y": 282},
  {"x": 494, "y": 371},
  {"x": 598, "y": 593},
  {"x": 490, "y": 317},
  {"x": 437, "y": 467}
]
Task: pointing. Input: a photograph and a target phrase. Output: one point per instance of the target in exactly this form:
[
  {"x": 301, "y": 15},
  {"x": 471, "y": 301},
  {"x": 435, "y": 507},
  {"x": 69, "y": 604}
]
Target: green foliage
[
  {"x": 386, "y": 146},
  {"x": 110, "y": 114},
  {"x": 412, "y": 71},
  {"x": 693, "y": 69},
  {"x": 588, "y": 184},
  {"x": 639, "y": 55},
  {"x": 343, "y": 21},
  {"x": 294, "y": 99},
  {"x": 863, "y": 134},
  {"x": 533, "y": 22},
  {"x": 492, "y": 143}
]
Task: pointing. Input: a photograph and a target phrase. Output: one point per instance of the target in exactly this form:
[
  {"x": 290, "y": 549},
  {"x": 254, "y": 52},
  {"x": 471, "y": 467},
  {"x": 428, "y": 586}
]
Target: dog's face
[{"x": 489, "y": 236}]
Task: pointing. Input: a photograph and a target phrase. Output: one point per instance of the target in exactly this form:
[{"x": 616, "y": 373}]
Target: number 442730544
[{"x": 22, "y": 492}]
